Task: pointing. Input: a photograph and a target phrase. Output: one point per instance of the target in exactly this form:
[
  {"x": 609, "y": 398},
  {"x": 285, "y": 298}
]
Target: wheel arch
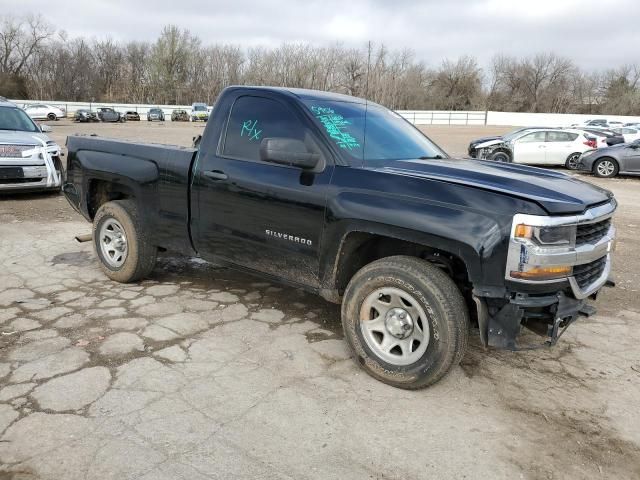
[{"x": 359, "y": 247}]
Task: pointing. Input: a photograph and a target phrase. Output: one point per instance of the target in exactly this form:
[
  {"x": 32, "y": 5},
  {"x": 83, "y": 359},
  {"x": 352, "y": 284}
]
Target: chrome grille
[
  {"x": 13, "y": 151},
  {"x": 588, "y": 273},
  {"x": 592, "y": 232}
]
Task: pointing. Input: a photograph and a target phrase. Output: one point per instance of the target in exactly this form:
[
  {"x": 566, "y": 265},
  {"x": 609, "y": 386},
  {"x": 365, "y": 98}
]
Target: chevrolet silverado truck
[{"x": 344, "y": 198}]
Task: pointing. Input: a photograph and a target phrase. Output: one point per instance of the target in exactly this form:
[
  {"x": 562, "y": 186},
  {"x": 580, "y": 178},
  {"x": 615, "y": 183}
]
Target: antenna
[
  {"x": 366, "y": 101},
  {"x": 366, "y": 88}
]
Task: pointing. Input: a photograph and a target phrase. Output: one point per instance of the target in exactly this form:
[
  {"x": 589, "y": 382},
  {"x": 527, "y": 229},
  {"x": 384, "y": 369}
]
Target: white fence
[
  {"x": 443, "y": 117},
  {"x": 417, "y": 117}
]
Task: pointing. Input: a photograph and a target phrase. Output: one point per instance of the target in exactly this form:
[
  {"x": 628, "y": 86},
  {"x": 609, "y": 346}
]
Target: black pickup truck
[{"x": 344, "y": 198}]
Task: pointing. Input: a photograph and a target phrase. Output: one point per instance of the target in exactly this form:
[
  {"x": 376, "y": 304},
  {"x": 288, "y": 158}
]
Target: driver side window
[{"x": 254, "y": 118}]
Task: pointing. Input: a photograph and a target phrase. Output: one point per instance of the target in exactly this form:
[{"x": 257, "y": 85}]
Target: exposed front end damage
[
  {"x": 487, "y": 150},
  {"x": 554, "y": 266}
]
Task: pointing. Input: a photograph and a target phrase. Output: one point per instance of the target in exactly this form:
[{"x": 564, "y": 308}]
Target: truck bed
[{"x": 157, "y": 174}]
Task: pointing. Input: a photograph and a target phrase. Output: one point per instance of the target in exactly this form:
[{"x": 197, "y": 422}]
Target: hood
[
  {"x": 489, "y": 143},
  {"x": 556, "y": 192},
  {"x": 21, "y": 138},
  {"x": 478, "y": 141}
]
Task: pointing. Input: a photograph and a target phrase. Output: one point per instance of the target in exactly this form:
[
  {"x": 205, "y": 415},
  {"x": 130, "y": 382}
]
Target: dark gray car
[{"x": 608, "y": 162}]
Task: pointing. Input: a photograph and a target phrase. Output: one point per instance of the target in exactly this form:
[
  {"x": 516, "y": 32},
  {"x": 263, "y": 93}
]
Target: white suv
[{"x": 543, "y": 146}]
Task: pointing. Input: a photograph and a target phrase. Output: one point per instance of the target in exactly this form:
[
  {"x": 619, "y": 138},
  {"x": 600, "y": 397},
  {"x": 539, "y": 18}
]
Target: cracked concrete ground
[{"x": 201, "y": 372}]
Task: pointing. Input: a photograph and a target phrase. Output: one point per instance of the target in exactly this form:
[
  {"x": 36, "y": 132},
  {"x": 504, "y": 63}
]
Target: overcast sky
[{"x": 594, "y": 33}]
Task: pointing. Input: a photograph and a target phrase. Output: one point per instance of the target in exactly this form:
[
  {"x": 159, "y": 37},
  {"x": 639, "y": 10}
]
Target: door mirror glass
[{"x": 287, "y": 151}]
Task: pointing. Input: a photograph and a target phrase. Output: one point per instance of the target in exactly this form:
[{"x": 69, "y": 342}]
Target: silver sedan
[{"x": 609, "y": 162}]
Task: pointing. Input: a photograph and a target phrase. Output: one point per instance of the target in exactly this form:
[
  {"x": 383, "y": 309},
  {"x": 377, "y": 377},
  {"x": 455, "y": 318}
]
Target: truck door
[{"x": 257, "y": 214}]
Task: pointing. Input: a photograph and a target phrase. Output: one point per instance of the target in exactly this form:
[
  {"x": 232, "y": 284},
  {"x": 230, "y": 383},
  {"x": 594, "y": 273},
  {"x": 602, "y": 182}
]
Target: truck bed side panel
[{"x": 156, "y": 176}]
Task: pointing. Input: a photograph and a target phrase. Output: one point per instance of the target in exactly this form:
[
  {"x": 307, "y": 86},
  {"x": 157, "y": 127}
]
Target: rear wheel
[
  {"x": 405, "y": 320},
  {"x": 52, "y": 116},
  {"x": 605, "y": 168},
  {"x": 572, "y": 161},
  {"x": 121, "y": 243}
]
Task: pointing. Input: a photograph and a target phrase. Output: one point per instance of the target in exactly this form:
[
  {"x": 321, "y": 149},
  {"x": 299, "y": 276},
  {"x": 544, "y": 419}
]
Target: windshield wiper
[{"x": 434, "y": 157}]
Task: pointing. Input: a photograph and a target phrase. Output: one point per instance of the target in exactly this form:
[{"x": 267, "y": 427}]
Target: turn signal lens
[
  {"x": 543, "y": 273},
  {"x": 523, "y": 231}
]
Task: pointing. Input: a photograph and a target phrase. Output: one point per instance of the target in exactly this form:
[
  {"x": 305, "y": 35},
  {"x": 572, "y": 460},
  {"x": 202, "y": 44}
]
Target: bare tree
[
  {"x": 177, "y": 68},
  {"x": 20, "y": 39}
]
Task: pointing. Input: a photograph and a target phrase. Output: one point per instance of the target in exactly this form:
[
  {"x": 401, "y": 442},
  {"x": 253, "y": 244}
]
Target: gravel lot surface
[{"x": 201, "y": 372}]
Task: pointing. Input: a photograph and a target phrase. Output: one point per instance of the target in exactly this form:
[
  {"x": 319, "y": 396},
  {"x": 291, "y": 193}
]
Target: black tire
[
  {"x": 600, "y": 170},
  {"x": 141, "y": 253},
  {"x": 500, "y": 156},
  {"x": 52, "y": 116},
  {"x": 447, "y": 319},
  {"x": 572, "y": 161}
]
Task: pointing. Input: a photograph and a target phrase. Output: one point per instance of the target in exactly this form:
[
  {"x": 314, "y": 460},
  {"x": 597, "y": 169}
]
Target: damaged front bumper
[
  {"x": 546, "y": 315},
  {"x": 554, "y": 265}
]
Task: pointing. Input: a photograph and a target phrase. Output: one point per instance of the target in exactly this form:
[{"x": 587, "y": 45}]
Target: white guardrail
[{"x": 417, "y": 117}]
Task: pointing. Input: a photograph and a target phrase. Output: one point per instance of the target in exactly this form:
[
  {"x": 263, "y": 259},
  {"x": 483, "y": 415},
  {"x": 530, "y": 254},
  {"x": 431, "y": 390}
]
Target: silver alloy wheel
[
  {"x": 606, "y": 168},
  {"x": 113, "y": 243},
  {"x": 394, "y": 326}
]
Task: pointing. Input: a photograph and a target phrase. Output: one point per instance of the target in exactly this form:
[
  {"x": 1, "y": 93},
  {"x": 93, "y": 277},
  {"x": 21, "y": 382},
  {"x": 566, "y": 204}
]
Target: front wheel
[
  {"x": 121, "y": 242},
  {"x": 500, "y": 157},
  {"x": 606, "y": 168},
  {"x": 406, "y": 321},
  {"x": 52, "y": 116}
]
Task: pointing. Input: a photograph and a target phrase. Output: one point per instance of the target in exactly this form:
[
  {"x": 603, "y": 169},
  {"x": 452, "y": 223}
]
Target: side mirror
[
  {"x": 45, "y": 128},
  {"x": 287, "y": 151}
]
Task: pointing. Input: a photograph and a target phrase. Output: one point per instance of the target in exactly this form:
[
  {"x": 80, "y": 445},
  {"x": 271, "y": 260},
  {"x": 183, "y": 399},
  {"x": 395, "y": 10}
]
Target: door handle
[{"x": 216, "y": 175}]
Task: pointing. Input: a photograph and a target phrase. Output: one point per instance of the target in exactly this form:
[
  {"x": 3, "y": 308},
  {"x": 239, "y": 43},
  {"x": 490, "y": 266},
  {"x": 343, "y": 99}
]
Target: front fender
[{"x": 476, "y": 237}]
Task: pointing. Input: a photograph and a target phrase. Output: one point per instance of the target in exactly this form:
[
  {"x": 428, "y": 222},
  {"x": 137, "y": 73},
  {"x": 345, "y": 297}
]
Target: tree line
[{"x": 38, "y": 62}]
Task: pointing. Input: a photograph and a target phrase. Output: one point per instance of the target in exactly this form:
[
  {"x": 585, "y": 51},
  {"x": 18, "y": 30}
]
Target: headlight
[{"x": 564, "y": 235}]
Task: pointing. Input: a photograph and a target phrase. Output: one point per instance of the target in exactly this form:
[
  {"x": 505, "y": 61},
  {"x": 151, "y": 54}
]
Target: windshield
[
  {"x": 199, "y": 108},
  {"x": 370, "y": 134},
  {"x": 15, "y": 119}
]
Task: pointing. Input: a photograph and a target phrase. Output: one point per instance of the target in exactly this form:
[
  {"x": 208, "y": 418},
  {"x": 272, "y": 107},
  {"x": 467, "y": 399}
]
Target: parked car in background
[
  {"x": 474, "y": 143},
  {"x": 199, "y": 111},
  {"x": 29, "y": 160},
  {"x": 629, "y": 134},
  {"x": 179, "y": 116},
  {"x": 539, "y": 147},
  {"x": 155, "y": 114},
  {"x": 132, "y": 116},
  {"x": 84, "y": 115},
  {"x": 609, "y": 162},
  {"x": 45, "y": 112},
  {"x": 108, "y": 114}
]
